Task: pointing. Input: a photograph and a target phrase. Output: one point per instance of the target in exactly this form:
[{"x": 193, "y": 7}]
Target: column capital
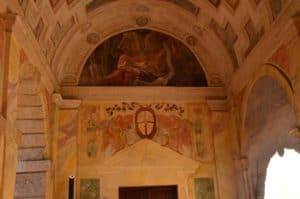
[
  {"x": 65, "y": 103},
  {"x": 7, "y": 20}
]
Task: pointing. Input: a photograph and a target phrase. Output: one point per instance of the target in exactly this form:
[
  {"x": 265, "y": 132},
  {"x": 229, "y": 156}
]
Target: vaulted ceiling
[{"x": 221, "y": 33}]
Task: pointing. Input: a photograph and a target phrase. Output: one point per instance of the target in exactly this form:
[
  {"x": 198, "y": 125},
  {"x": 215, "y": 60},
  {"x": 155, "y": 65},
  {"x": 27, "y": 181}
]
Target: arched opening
[
  {"x": 269, "y": 118},
  {"x": 283, "y": 176}
]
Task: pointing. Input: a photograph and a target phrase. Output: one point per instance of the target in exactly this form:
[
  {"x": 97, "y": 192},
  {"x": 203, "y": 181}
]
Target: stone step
[
  {"x": 30, "y": 112},
  {"x": 33, "y": 166},
  {"x": 30, "y": 185},
  {"x": 29, "y": 100},
  {"x": 30, "y": 126},
  {"x": 36, "y": 153},
  {"x": 33, "y": 140}
]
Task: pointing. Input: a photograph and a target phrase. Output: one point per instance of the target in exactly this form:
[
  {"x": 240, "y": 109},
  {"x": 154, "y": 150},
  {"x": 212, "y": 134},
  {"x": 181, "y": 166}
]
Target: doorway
[{"x": 156, "y": 192}]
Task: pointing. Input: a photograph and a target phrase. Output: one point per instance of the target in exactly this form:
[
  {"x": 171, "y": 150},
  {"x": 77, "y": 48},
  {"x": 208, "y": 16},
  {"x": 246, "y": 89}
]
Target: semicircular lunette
[{"x": 142, "y": 58}]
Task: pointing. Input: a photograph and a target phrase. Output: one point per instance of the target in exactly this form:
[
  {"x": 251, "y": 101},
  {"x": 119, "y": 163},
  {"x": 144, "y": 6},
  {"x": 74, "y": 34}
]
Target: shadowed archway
[{"x": 269, "y": 118}]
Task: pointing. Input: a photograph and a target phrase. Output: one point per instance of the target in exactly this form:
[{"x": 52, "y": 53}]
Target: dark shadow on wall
[{"x": 269, "y": 118}]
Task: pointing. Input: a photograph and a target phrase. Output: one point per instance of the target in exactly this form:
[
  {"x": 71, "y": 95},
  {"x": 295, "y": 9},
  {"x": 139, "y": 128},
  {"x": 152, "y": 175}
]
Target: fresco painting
[
  {"x": 67, "y": 127},
  {"x": 204, "y": 188},
  {"x": 108, "y": 128},
  {"x": 142, "y": 58},
  {"x": 198, "y": 132},
  {"x": 89, "y": 189},
  {"x": 198, "y": 116}
]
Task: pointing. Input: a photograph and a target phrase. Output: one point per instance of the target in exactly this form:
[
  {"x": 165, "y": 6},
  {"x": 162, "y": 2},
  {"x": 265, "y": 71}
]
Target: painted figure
[
  {"x": 142, "y": 62},
  {"x": 142, "y": 58}
]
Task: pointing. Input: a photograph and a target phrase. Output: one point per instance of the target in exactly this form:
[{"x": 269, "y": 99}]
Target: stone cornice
[
  {"x": 215, "y": 97},
  {"x": 142, "y": 93}
]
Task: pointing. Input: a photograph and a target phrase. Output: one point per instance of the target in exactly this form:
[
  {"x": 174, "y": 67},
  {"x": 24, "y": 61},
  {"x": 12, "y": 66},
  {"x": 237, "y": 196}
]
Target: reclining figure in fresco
[
  {"x": 143, "y": 62},
  {"x": 142, "y": 58}
]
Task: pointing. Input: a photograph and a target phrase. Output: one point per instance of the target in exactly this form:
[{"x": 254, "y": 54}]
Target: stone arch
[
  {"x": 176, "y": 23},
  {"x": 166, "y": 33},
  {"x": 276, "y": 74},
  {"x": 32, "y": 161},
  {"x": 268, "y": 117}
]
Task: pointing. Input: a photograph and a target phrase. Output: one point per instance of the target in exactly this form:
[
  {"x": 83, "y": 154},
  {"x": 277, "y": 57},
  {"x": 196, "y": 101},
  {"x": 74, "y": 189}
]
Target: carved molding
[
  {"x": 65, "y": 103},
  {"x": 286, "y": 30},
  {"x": 143, "y": 93},
  {"x": 215, "y": 97},
  {"x": 142, "y": 21}
]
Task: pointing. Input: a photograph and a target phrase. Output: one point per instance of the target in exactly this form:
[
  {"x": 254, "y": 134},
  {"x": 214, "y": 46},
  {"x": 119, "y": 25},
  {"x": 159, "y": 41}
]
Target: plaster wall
[{"x": 99, "y": 142}]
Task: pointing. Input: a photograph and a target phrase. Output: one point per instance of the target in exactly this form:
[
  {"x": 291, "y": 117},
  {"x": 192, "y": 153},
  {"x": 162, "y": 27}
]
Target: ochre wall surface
[
  {"x": 100, "y": 141},
  {"x": 102, "y": 149}
]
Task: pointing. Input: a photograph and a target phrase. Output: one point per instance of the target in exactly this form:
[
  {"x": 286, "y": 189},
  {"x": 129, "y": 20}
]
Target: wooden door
[
  {"x": 163, "y": 192},
  {"x": 133, "y": 193}
]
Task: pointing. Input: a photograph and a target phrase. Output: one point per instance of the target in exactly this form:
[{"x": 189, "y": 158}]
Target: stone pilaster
[
  {"x": 246, "y": 180},
  {"x": 65, "y": 143},
  {"x": 7, "y": 21},
  {"x": 9, "y": 138},
  {"x": 8, "y": 134},
  {"x": 224, "y": 154}
]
